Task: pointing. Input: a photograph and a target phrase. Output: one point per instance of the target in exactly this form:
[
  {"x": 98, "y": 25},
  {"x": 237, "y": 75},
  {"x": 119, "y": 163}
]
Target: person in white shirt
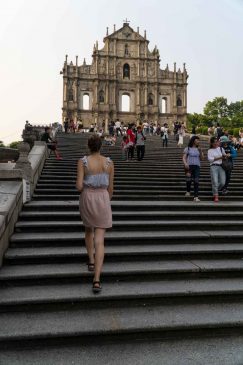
[
  {"x": 118, "y": 127},
  {"x": 216, "y": 155},
  {"x": 165, "y": 134}
]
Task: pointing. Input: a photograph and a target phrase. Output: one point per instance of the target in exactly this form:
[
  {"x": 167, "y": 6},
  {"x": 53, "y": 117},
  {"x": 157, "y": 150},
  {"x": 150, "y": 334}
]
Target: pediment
[{"x": 125, "y": 33}]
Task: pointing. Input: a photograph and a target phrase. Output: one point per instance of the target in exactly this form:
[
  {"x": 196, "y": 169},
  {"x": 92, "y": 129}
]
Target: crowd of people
[
  {"x": 95, "y": 178},
  {"x": 221, "y": 155}
]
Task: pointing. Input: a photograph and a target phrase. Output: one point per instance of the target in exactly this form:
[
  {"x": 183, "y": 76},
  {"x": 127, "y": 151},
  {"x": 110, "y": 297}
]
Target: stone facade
[{"x": 124, "y": 66}]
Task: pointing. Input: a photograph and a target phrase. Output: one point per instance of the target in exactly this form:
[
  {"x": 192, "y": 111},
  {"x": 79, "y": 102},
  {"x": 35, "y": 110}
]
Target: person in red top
[{"x": 131, "y": 141}]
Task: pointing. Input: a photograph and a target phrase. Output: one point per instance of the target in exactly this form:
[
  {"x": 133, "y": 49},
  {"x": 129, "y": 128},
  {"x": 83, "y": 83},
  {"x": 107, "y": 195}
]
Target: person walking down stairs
[
  {"x": 192, "y": 157},
  {"x": 181, "y": 134},
  {"x": 95, "y": 183},
  {"x": 51, "y": 144},
  {"x": 216, "y": 155}
]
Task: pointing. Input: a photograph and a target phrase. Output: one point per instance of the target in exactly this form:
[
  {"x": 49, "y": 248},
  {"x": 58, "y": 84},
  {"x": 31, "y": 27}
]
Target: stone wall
[
  {"x": 11, "y": 201},
  {"x": 17, "y": 184}
]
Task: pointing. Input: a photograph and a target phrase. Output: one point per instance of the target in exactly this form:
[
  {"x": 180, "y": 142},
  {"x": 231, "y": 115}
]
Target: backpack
[{"x": 233, "y": 152}]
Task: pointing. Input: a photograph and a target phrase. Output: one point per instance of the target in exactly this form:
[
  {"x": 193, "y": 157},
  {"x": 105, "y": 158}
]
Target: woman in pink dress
[{"x": 95, "y": 182}]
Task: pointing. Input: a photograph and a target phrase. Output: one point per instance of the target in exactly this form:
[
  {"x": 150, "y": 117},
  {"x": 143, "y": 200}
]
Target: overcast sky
[{"x": 35, "y": 35}]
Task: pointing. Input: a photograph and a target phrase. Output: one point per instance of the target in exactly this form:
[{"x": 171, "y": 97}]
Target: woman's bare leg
[
  {"x": 99, "y": 237},
  {"x": 89, "y": 243}
]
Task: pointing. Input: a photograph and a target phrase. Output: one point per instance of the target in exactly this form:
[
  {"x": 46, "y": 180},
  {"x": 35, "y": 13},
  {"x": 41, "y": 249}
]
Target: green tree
[
  {"x": 198, "y": 120},
  {"x": 218, "y": 108},
  {"x": 236, "y": 109},
  {"x": 2, "y": 144},
  {"x": 14, "y": 144}
]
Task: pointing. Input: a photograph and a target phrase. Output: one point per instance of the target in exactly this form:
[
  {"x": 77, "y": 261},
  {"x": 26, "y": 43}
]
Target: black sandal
[
  {"x": 91, "y": 266},
  {"x": 96, "y": 289}
]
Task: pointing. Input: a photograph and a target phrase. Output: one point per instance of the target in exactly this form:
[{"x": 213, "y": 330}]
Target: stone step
[
  {"x": 113, "y": 321},
  {"x": 146, "y": 268},
  {"x": 137, "y": 288},
  {"x": 147, "y": 215},
  {"x": 119, "y": 270},
  {"x": 139, "y": 197},
  {"x": 213, "y": 349},
  {"x": 131, "y": 225},
  {"x": 116, "y": 252},
  {"x": 130, "y": 180},
  {"x": 157, "y": 206},
  {"x": 205, "y": 189},
  {"x": 134, "y": 236},
  {"x": 172, "y": 267}
]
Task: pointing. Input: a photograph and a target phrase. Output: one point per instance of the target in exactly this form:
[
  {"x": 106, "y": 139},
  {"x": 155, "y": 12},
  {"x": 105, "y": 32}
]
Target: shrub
[{"x": 236, "y": 132}]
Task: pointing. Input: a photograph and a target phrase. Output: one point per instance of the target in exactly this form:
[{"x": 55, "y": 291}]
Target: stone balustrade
[{"x": 17, "y": 183}]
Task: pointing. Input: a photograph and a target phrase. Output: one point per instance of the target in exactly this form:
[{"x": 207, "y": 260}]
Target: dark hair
[
  {"x": 47, "y": 129},
  {"x": 139, "y": 127},
  {"x": 212, "y": 141},
  {"x": 192, "y": 140},
  {"x": 94, "y": 143}
]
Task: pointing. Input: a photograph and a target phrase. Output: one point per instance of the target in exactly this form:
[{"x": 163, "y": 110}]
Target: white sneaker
[
  {"x": 187, "y": 194},
  {"x": 197, "y": 200}
]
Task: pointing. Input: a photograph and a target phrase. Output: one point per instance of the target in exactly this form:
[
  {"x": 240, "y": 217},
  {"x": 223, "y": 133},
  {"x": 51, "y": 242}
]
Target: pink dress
[{"x": 94, "y": 200}]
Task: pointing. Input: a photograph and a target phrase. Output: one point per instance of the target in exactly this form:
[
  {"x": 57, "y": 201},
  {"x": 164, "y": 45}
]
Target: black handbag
[{"x": 227, "y": 165}]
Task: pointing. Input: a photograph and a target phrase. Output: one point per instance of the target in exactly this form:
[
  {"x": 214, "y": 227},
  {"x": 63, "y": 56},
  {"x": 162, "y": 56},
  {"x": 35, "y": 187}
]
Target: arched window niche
[
  {"x": 150, "y": 99},
  {"x": 101, "y": 96},
  {"x": 179, "y": 101},
  {"x": 126, "y": 71},
  {"x": 164, "y": 105},
  {"x": 126, "y": 102},
  {"x": 86, "y": 101}
]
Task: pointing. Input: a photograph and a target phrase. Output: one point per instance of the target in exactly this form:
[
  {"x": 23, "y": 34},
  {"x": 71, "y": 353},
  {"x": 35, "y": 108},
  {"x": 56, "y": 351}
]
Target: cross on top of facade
[{"x": 126, "y": 21}]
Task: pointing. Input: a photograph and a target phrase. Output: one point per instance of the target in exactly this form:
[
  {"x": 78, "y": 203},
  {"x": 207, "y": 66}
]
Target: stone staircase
[{"x": 172, "y": 277}]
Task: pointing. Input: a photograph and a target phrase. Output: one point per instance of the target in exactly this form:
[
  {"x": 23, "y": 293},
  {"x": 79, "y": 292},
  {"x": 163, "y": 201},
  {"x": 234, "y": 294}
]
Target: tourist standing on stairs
[
  {"x": 131, "y": 141},
  {"x": 140, "y": 143},
  {"x": 232, "y": 153},
  {"x": 95, "y": 182},
  {"x": 124, "y": 148},
  {"x": 192, "y": 157},
  {"x": 165, "y": 134},
  {"x": 181, "y": 134},
  {"x": 216, "y": 154},
  {"x": 118, "y": 127},
  {"x": 66, "y": 125}
]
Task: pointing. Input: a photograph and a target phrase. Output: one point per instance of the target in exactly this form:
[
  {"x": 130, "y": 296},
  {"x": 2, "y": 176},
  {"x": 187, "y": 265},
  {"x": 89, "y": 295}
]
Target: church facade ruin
[{"x": 124, "y": 82}]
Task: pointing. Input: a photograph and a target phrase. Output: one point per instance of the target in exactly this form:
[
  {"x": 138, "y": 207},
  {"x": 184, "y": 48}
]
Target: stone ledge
[{"x": 11, "y": 201}]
